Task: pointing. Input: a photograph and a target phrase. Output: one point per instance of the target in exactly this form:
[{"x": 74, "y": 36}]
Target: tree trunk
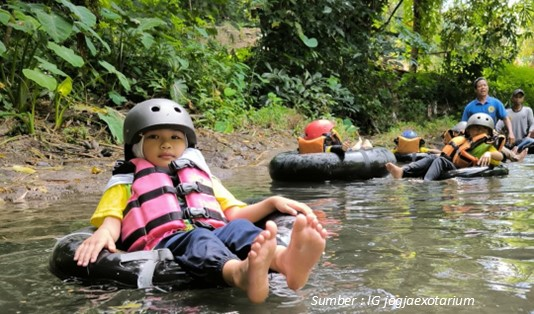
[{"x": 414, "y": 55}]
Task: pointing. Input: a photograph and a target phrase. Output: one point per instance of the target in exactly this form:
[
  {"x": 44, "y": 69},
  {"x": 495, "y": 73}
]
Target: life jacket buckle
[
  {"x": 184, "y": 189},
  {"x": 180, "y": 164},
  {"x": 195, "y": 212}
]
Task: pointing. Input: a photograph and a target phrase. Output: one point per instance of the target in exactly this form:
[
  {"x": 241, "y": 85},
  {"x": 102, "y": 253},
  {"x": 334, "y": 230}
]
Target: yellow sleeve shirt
[
  {"x": 114, "y": 201},
  {"x": 494, "y": 162}
]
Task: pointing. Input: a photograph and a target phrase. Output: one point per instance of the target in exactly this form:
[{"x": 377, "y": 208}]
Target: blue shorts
[{"x": 203, "y": 252}]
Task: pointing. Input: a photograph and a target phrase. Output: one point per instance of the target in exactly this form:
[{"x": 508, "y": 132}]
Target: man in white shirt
[{"x": 522, "y": 120}]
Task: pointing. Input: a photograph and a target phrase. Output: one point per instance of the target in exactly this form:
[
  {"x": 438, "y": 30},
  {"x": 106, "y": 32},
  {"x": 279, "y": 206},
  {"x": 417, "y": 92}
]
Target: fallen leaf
[
  {"x": 23, "y": 169},
  {"x": 127, "y": 306},
  {"x": 96, "y": 170}
]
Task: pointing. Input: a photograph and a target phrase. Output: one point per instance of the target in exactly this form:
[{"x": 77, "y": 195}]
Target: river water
[{"x": 406, "y": 246}]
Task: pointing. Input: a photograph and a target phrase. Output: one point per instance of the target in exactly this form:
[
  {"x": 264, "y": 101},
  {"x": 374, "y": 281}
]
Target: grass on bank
[{"x": 278, "y": 118}]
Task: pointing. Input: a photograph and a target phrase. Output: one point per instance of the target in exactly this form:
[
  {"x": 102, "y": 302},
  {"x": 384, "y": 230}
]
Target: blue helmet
[{"x": 409, "y": 134}]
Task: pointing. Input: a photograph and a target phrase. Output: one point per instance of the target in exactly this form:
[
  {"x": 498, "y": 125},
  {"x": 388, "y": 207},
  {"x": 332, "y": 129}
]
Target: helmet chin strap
[{"x": 137, "y": 148}]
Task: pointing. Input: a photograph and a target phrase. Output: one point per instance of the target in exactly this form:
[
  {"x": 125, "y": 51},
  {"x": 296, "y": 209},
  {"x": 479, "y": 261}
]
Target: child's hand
[
  {"x": 289, "y": 206},
  {"x": 485, "y": 159},
  {"x": 88, "y": 251}
]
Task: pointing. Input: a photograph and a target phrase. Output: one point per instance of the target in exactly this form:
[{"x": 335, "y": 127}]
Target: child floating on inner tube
[
  {"x": 409, "y": 143},
  {"x": 320, "y": 136},
  {"x": 475, "y": 148},
  {"x": 164, "y": 196},
  {"x": 459, "y": 129}
]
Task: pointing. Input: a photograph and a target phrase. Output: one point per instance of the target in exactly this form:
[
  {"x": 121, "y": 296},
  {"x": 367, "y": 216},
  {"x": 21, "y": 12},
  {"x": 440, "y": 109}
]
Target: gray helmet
[
  {"x": 157, "y": 113},
  {"x": 459, "y": 127},
  {"x": 482, "y": 119}
]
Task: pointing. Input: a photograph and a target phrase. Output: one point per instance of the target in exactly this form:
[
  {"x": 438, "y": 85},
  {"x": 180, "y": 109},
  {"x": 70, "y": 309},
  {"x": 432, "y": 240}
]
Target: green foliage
[
  {"x": 480, "y": 34},
  {"x": 430, "y": 132},
  {"x": 75, "y": 134},
  {"x": 273, "y": 117},
  {"x": 346, "y": 129},
  {"x": 418, "y": 92},
  {"x": 316, "y": 57},
  {"x": 33, "y": 51},
  {"x": 61, "y": 92},
  {"x": 46, "y": 43},
  {"x": 189, "y": 67},
  {"x": 329, "y": 37},
  {"x": 510, "y": 78},
  {"x": 311, "y": 95},
  {"x": 333, "y": 58},
  {"x": 114, "y": 121},
  {"x": 406, "y": 36}
]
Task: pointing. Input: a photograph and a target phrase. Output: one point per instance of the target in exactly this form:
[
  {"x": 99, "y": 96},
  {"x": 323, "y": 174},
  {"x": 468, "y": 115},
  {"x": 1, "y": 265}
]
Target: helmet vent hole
[
  {"x": 177, "y": 109},
  {"x": 155, "y": 109}
]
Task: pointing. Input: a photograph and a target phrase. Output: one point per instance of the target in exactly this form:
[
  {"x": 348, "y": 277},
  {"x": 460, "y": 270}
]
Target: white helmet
[{"x": 482, "y": 119}]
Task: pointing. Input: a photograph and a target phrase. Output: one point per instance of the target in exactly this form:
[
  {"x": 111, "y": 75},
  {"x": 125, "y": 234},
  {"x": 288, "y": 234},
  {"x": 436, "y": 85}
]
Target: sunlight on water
[{"x": 392, "y": 243}]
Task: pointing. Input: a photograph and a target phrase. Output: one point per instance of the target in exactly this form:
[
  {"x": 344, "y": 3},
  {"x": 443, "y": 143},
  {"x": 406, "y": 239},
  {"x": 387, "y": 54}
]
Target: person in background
[
  {"x": 484, "y": 103},
  {"x": 409, "y": 142},
  {"x": 522, "y": 120},
  {"x": 320, "y": 136},
  {"x": 453, "y": 132},
  {"x": 164, "y": 196},
  {"x": 476, "y": 148}
]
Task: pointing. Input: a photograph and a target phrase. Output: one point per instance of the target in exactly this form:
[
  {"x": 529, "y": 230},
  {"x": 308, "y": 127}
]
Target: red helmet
[{"x": 317, "y": 128}]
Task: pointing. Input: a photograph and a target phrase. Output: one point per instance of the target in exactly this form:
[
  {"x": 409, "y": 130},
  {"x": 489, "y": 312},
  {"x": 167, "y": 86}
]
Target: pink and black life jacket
[{"x": 154, "y": 212}]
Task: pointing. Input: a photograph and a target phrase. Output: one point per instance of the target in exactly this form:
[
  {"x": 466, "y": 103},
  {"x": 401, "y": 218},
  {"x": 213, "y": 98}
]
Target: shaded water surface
[{"x": 455, "y": 246}]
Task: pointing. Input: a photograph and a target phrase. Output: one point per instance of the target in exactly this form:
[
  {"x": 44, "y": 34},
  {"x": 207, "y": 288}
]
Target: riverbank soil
[{"x": 48, "y": 166}]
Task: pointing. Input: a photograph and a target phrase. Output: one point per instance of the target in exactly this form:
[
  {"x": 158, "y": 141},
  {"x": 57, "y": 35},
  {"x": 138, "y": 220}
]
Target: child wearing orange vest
[{"x": 474, "y": 149}]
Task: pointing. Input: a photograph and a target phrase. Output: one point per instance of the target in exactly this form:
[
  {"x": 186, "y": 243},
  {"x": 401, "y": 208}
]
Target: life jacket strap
[
  {"x": 151, "y": 170},
  {"x": 141, "y": 232},
  {"x": 183, "y": 189},
  {"x": 148, "y": 196}
]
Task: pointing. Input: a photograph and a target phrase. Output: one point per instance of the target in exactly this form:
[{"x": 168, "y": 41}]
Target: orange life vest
[
  {"x": 319, "y": 144},
  {"x": 408, "y": 145},
  {"x": 447, "y": 136},
  {"x": 315, "y": 145},
  {"x": 458, "y": 150}
]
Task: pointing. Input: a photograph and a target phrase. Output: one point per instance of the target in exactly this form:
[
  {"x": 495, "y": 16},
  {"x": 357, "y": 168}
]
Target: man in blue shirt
[{"x": 490, "y": 105}]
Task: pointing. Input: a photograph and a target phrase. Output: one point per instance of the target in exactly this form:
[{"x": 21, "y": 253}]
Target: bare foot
[
  {"x": 308, "y": 240},
  {"x": 251, "y": 275},
  {"x": 394, "y": 170},
  {"x": 522, "y": 155}
]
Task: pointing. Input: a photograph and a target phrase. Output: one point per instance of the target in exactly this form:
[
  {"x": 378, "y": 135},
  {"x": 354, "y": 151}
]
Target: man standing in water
[{"x": 484, "y": 103}]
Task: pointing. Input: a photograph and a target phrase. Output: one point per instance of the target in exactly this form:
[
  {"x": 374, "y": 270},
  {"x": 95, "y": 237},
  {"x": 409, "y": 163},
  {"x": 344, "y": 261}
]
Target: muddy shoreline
[{"x": 40, "y": 168}]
